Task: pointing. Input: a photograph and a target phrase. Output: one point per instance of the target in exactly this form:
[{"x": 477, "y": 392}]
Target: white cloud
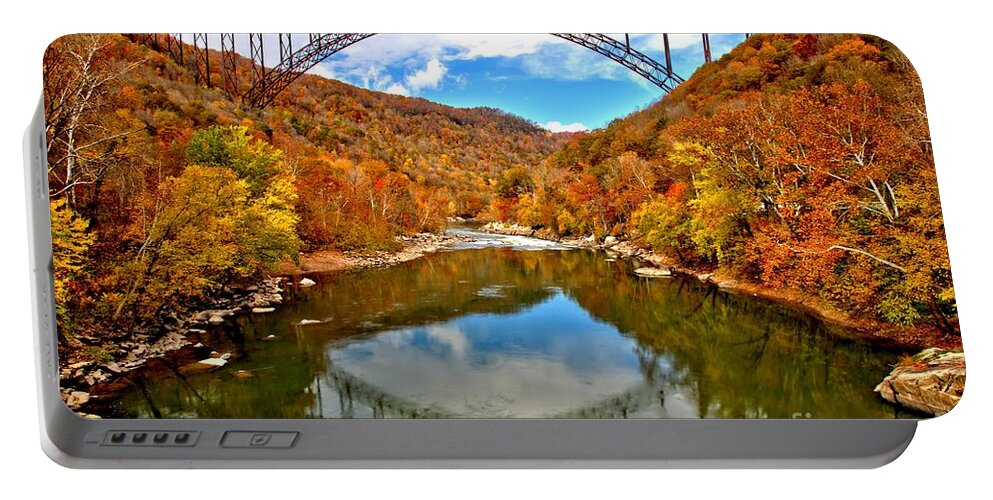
[
  {"x": 570, "y": 62},
  {"x": 451, "y": 336},
  {"x": 397, "y": 89},
  {"x": 422, "y": 58},
  {"x": 428, "y": 78},
  {"x": 554, "y": 126},
  {"x": 323, "y": 71},
  {"x": 474, "y": 46},
  {"x": 460, "y": 81},
  {"x": 423, "y": 61}
]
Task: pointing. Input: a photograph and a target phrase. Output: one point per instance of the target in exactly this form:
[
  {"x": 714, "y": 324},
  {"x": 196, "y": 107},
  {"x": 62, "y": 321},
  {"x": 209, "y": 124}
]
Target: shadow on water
[{"x": 497, "y": 332}]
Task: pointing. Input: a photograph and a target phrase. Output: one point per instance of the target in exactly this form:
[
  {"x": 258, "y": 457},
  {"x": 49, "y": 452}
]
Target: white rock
[
  {"x": 609, "y": 240},
  {"x": 270, "y": 337},
  {"x": 76, "y": 398},
  {"x": 96, "y": 377},
  {"x": 653, "y": 272},
  {"x": 262, "y": 310},
  {"x": 309, "y": 321},
  {"x": 226, "y": 356},
  {"x": 307, "y": 282},
  {"x": 932, "y": 383},
  {"x": 216, "y": 319},
  {"x": 218, "y": 362}
]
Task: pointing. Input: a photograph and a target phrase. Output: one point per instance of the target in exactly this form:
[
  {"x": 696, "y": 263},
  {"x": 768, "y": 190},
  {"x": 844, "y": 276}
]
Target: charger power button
[{"x": 258, "y": 439}]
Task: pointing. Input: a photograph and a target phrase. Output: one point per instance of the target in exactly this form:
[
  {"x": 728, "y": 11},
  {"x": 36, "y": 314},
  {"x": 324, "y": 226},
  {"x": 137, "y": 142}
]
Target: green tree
[
  {"x": 232, "y": 147},
  {"x": 191, "y": 244},
  {"x": 266, "y": 230},
  {"x": 719, "y": 218},
  {"x": 233, "y": 219},
  {"x": 665, "y": 226}
]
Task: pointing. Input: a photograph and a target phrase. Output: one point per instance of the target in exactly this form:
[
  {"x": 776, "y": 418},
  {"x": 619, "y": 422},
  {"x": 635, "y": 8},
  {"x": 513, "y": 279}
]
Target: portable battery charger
[{"x": 243, "y": 258}]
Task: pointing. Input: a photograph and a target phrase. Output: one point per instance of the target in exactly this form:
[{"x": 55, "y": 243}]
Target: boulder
[
  {"x": 262, "y": 310},
  {"x": 653, "y": 272},
  {"x": 134, "y": 364},
  {"x": 307, "y": 282},
  {"x": 81, "y": 364},
  {"x": 213, "y": 362},
  {"x": 931, "y": 382},
  {"x": 216, "y": 319},
  {"x": 610, "y": 240},
  {"x": 96, "y": 377},
  {"x": 74, "y": 399},
  {"x": 114, "y": 367}
]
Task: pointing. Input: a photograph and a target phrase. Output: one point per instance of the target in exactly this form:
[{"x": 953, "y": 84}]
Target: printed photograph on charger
[{"x": 568, "y": 225}]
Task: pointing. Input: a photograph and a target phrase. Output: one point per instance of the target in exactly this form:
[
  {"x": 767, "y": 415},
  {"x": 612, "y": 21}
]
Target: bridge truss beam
[
  {"x": 293, "y": 64},
  {"x": 229, "y": 65},
  {"x": 266, "y": 83},
  {"x": 622, "y": 53},
  {"x": 201, "y": 59}
]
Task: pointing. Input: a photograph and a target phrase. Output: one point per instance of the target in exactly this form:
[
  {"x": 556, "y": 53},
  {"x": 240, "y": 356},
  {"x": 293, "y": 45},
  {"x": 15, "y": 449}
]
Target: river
[{"x": 518, "y": 327}]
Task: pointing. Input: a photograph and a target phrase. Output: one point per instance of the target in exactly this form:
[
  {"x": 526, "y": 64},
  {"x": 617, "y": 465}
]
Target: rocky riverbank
[
  {"x": 185, "y": 329},
  {"x": 182, "y": 329},
  {"x": 882, "y": 334},
  {"x": 412, "y": 248},
  {"x": 931, "y": 382},
  {"x": 616, "y": 248}
]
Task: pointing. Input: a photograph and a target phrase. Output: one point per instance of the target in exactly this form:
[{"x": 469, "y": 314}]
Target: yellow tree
[{"x": 70, "y": 243}]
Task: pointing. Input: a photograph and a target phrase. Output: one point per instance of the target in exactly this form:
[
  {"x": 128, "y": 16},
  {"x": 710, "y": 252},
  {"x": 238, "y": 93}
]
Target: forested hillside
[
  {"x": 796, "y": 162},
  {"x": 164, "y": 191}
]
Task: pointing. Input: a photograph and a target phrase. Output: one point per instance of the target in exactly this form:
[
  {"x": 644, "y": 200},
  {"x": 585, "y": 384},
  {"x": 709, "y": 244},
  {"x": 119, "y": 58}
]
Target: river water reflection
[{"x": 512, "y": 327}]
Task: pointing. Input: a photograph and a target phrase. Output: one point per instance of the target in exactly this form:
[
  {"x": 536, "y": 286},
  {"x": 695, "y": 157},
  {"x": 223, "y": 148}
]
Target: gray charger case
[{"x": 77, "y": 442}]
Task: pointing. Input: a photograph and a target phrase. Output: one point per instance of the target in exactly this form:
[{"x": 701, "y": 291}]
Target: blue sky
[{"x": 553, "y": 82}]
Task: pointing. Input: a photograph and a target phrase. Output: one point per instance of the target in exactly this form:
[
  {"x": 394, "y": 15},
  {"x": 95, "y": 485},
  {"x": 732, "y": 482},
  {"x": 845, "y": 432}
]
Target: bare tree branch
[{"x": 854, "y": 250}]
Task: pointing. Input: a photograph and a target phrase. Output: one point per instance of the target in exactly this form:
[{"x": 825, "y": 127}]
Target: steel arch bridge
[{"x": 267, "y": 82}]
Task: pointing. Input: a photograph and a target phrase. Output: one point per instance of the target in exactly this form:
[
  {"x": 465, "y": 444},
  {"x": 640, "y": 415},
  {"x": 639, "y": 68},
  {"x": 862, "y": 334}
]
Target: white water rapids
[{"x": 489, "y": 240}]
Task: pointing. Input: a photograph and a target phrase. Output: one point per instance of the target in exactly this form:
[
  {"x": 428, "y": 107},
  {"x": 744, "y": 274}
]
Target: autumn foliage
[
  {"x": 164, "y": 192},
  {"x": 799, "y": 162},
  {"x": 795, "y": 161}
]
